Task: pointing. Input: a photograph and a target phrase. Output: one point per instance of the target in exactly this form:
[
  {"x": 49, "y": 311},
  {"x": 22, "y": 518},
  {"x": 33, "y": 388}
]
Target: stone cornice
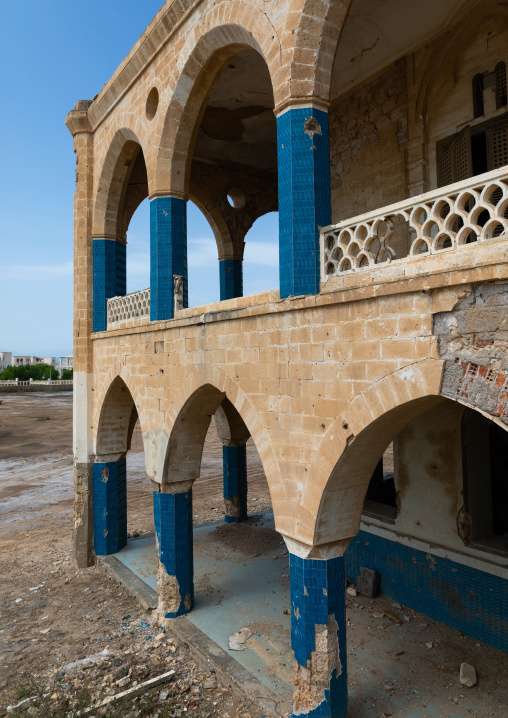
[
  {"x": 167, "y": 21},
  {"x": 77, "y": 119}
]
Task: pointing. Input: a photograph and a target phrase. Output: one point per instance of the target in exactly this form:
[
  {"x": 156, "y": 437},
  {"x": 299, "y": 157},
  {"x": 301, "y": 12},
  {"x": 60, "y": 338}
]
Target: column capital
[
  {"x": 77, "y": 119},
  {"x": 298, "y": 103},
  {"x": 167, "y": 194},
  {"x": 323, "y": 552},
  {"x": 175, "y": 487}
]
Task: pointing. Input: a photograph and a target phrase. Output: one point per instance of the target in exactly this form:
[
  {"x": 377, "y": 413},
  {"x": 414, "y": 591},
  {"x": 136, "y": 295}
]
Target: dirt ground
[{"x": 52, "y": 615}]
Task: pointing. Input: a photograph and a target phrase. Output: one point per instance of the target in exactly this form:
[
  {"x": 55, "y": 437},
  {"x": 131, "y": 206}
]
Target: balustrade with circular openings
[
  {"x": 130, "y": 306},
  {"x": 469, "y": 212}
]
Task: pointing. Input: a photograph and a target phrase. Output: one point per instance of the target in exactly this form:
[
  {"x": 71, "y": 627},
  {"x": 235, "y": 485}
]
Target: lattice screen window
[
  {"x": 454, "y": 158},
  {"x": 458, "y": 155},
  {"x": 501, "y": 92},
  {"x": 499, "y": 147}
]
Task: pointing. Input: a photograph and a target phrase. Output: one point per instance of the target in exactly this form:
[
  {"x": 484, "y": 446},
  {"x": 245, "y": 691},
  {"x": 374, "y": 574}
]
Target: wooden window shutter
[
  {"x": 497, "y": 147},
  {"x": 454, "y": 161}
]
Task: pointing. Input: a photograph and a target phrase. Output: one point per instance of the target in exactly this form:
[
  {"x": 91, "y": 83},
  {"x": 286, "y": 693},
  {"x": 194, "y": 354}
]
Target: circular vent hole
[
  {"x": 236, "y": 198},
  {"x": 152, "y": 103}
]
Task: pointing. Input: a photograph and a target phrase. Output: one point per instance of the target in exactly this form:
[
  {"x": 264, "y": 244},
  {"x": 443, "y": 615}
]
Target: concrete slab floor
[{"x": 408, "y": 669}]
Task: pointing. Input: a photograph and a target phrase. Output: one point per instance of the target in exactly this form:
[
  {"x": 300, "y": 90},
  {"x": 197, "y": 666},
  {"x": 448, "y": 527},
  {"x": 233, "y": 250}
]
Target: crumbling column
[
  {"x": 173, "y": 528},
  {"x": 168, "y": 254},
  {"x": 82, "y": 441},
  {"x": 109, "y": 277},
  {"x": 304, "y": 196},
  {"x": 318, "y": 636},
  {"x": 235, "y": 482},
  {"x": 231, "y": 278},
  {"x": 109, "y": 506}
]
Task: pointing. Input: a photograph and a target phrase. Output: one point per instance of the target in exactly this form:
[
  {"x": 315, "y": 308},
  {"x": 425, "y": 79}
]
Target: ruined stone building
[{"x": 379, "y": 131}]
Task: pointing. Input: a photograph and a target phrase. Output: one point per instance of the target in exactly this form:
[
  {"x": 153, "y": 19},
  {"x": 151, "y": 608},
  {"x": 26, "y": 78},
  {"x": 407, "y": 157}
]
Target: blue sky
[{"x": 51, "y": 55}]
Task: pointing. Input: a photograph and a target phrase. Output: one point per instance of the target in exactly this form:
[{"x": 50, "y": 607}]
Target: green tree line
[{"x": 37, "y": 372}]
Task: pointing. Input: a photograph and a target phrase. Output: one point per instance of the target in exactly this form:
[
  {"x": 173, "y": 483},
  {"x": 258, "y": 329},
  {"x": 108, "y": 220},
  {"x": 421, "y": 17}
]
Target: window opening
[
  {"x": 473, "y": 151},
  {"x": 484, "y": 448},
  {"x": 479, "y": 153},
  {"x": 381, "y": 498}
]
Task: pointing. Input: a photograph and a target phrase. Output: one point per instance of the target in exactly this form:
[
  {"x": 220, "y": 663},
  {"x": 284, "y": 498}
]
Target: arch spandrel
[
  {"x": 332, "y": 497},
  {"x": 203, "y": 392}
]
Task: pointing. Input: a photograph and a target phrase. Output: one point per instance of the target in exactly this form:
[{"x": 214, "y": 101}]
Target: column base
[{"x": 82, "y": 532}]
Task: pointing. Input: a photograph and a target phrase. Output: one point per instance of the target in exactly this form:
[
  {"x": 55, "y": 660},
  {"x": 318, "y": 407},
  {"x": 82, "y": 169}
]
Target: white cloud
[
  {"x": 37, "y": 271},
  {"x": 265, "y": 254}
]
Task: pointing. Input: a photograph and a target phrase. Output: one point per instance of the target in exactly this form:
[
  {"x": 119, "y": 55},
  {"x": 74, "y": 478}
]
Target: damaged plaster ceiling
[
  {"x": 377, "y": 33},
  {"x": 238, "y": 126}
]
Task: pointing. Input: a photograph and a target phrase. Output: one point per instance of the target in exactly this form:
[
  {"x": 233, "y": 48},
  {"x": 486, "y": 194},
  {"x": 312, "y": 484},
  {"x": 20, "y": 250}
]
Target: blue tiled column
[
  {"x": 173, "y": 525},
  {"x": 304, "y": 198},
  {"x": 109, "y": 278},
  {"x": 318, "y": 636},
  {"x": 168, "y": 254},
  {"x": 231, "y": 278},
  {"x": 235, "y": 482},
  {"x": 109, "y": 507}
]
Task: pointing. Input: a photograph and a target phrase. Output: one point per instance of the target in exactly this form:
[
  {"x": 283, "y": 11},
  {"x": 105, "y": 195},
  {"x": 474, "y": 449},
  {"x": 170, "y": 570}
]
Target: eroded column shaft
[
  {"x": 175, "y": 575},
  {"x": 110, "y": 506},
  {"x": 235, "y": 483},
  {"x": 318, "y": 637}
]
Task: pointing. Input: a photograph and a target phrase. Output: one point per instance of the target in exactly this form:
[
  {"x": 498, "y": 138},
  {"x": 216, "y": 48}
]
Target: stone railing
[
  {"x": 33, "y": 382},
  {"x": 471, "y": 212},
  {"x": 130, "y": 306}
]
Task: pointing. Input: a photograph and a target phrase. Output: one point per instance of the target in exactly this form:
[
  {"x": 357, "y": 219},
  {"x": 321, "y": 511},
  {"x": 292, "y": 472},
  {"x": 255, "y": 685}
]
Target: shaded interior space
[
  {"x": 233, "y": 172},
  {"x": 405, "y": 667},
  {"x": 139, "y": 489},
  {"x": 444, "y": 479}
]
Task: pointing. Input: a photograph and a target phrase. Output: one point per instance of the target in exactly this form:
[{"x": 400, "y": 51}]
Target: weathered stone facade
[{"x": 325, "y": 373}]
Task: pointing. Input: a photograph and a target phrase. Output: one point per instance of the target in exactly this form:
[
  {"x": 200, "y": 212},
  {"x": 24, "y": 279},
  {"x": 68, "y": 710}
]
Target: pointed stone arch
[
  {"x": 116, "y": 199},
  {"x": 200, "y": 69}
]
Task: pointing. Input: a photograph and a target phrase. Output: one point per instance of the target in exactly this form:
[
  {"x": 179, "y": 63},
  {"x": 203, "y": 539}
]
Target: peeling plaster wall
[{"x": 429, "y": 476}]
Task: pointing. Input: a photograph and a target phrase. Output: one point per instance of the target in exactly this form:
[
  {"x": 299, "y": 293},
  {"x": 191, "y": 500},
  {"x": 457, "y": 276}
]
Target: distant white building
[
  {"x": 10, "y": 359},
  {"x": 5, "y": 360},
  {"x": 66, "y": 362}
]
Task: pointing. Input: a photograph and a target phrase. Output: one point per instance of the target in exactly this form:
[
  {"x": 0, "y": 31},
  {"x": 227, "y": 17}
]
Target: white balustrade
[
  {"x": 130, "y": 306},
  {"x": 467, "y": 213}
]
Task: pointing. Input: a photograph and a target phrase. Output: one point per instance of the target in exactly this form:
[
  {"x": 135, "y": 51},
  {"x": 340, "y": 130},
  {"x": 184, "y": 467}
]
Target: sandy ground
[{"x": 51, "y": 614}]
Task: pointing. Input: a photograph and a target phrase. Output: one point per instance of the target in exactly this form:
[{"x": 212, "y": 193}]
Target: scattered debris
[
  {"x": 392, "y": 617},
  {"x": 468, "y": 675},
  {"x": 351, "y": 591},
  {"x": 85, "y": 662},
  {"x": 21, "y": 706},
  {"x": 237, "y": 640},
  {"x": 131, "y": 692},
  {"x": 367, "y": 583}
]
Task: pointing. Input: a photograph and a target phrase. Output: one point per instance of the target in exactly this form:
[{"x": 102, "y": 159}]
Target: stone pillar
[
  {"x": 235, "y": 482},
  {"x": 175, "y": 573},
  {"x": 168, "y": 254},
  {"x": 304, "y": 196},
  {"x": 231, "y": 278},
  {"x": 79, "y": 126},
  {"x": 109, "y": 278},
  {"x": 318, "y": 636},
  {"x": 109, "y": 506}
]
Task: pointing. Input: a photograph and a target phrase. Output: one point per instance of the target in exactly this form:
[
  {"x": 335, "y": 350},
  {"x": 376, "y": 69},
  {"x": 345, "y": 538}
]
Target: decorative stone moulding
[
  {"x": 130, "y": 306},
  {"x": 470, "y": 212}
]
